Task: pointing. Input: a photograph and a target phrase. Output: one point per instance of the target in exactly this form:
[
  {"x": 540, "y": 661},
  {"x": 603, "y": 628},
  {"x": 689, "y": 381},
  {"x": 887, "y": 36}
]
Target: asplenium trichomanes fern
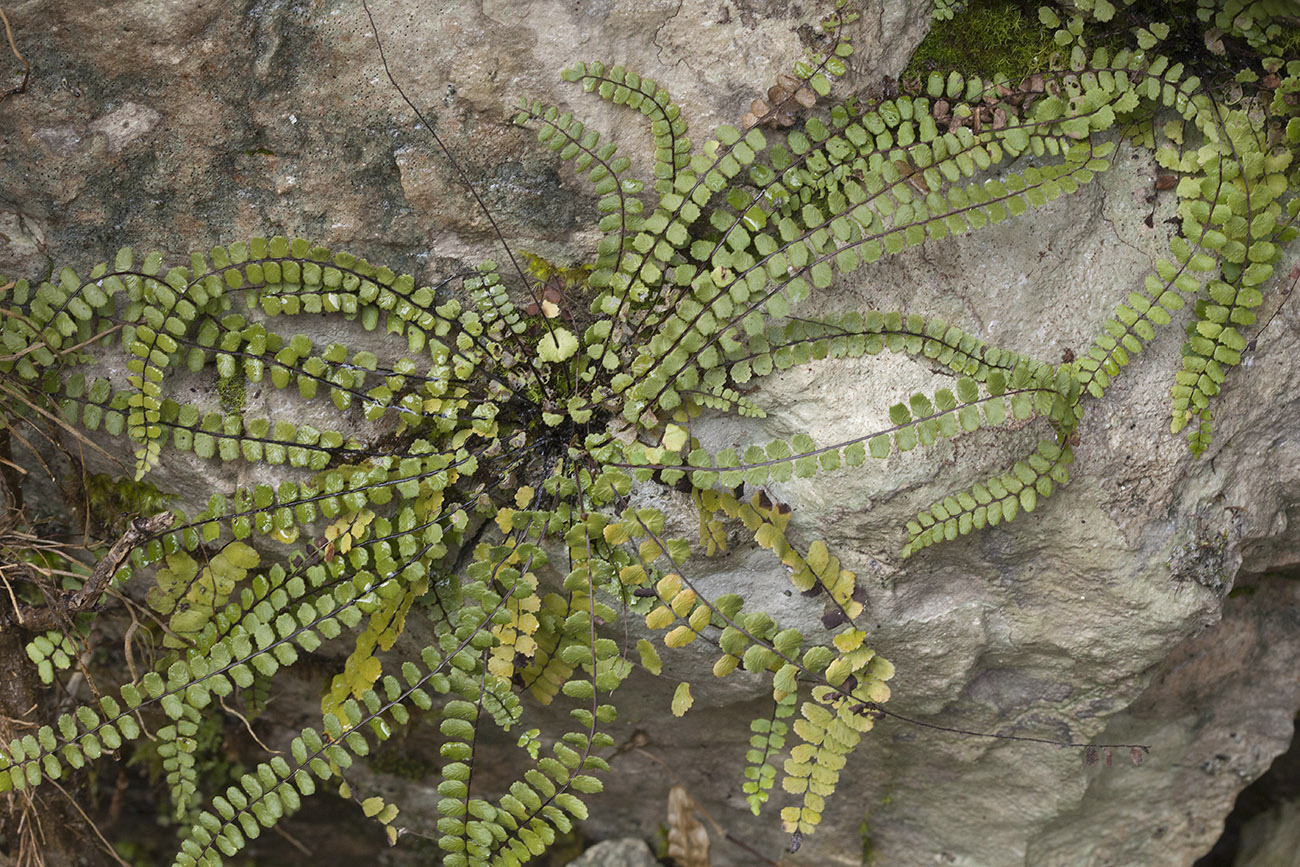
[{"x": 485, "y": 477}]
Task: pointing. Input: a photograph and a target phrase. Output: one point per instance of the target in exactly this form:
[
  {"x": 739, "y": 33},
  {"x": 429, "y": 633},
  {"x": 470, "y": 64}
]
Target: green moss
[
  {"x": 232, "y": 394},
  {"x": 868, "y": 850},
  {"x": 987, "y": 37},
  {"x": 115, "y": 501}
]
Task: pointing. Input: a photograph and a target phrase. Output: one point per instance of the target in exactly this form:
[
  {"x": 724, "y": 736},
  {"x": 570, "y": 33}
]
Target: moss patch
[
  {"x": 987, "y": 37},
  {"x": 231, "y": 391},
  {"x": 114, "y": 501}
]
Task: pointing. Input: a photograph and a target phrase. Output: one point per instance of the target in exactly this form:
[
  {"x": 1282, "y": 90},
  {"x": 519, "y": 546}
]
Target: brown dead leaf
[
  {"x": 688, "y": 840},
  {"x": 1214, "y": 41}
]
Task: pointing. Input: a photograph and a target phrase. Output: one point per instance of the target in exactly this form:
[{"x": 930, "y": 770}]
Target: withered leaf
[
  {"x": 833, "y": 618},
  {"x": 688, "y": 840},
  {"x": 1214, "y": 40}
]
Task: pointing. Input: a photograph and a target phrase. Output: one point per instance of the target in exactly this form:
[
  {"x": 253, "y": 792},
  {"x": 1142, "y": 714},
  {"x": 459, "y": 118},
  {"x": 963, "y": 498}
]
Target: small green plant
[{"x": 484, "y": 475}]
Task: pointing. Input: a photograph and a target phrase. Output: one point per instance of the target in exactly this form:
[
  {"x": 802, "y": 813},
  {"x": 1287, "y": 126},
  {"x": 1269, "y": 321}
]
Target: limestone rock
[{"x": 626, "y": 852}]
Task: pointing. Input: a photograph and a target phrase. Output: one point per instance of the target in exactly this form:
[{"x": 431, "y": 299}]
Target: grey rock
[
  {"x": 126, "y": 124},
  {"x": 626, "y": 852}
]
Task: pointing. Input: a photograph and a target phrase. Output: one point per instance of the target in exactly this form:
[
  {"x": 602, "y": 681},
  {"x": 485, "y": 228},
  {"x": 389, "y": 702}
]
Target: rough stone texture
[
  {"x": 1096, "y": 618},
  {"x": 628, "y": 852},
  {"x": 1220, "y": 707}
]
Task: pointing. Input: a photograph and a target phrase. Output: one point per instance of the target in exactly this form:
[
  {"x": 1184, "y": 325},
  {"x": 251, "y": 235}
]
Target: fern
[
  {"x": 483, "y": 472},
  {"x": 768, "y": 740}
]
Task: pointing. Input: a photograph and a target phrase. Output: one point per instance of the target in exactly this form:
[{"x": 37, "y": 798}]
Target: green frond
[
  {"x": 767, "y": 741},
  {"x": 622, "y": 87},
  {"x": 998, "y": 499},
  {"x": 51, "y": 651},
  {"x": 831, "y": 725}
]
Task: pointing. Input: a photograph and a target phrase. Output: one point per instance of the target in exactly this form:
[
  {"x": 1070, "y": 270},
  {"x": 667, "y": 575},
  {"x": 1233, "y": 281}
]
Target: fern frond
[
  {"x": 767, "y": 741},
  {"x": 176, "y": 746},
  {"x": 1031, "y": 388},
  {"x": 547, "y": 672},
  {"x": 1249, "y": 249},
  {"x": 622, "y": 87},
  {"x": 850, "y": 223},
  {"x": 801, "y": 340},
  {"x": 813, "y": 768},
  {"x": 1000, "y": 498},
  {"x": 263, "y": 640},
  {"x": 1135, "y": 322},
  {"x": 811, "y": 75}
]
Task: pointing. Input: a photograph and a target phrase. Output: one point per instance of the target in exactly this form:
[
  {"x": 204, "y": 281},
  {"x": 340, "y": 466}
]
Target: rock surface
[
  {"x": 1097, "y": 618},
  {"x": 627, "y": 852}
]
